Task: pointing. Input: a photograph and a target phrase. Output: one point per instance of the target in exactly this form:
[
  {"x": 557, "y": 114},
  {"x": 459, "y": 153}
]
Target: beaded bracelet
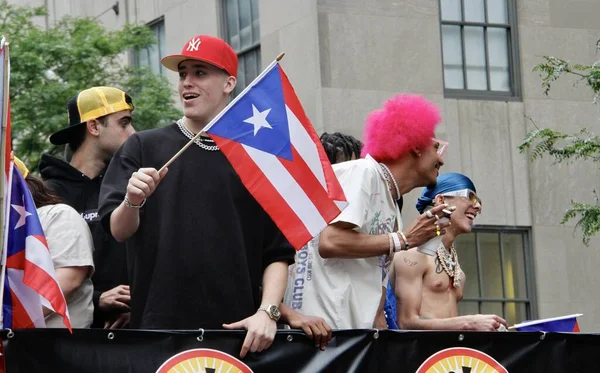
[
  {"x": 406, "y": 243},
  {"x": 391, "y": 239},
  {"x": 397, "y": 243}
]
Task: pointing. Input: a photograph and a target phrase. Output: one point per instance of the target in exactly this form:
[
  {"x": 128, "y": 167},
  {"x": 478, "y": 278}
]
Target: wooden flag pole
[
  {"x": 218, "y": 116},
  {"x": 3, "y": 238}
]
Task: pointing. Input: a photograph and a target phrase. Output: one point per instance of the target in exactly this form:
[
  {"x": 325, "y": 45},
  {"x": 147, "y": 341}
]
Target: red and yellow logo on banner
[
  {"x": 461, "y": 360},
  {"x": 203, "y": 360}
]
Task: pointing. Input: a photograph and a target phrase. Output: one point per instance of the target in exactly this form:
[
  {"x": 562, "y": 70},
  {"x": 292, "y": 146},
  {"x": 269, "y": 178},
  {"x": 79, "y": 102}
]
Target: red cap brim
[{"x": 172, "y": 62}]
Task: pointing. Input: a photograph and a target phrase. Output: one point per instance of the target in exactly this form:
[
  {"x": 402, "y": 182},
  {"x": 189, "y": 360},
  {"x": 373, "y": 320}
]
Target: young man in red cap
[{"x": 202, "y": 247}]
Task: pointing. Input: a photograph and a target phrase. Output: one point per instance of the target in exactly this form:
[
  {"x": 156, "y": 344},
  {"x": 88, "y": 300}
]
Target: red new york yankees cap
[{"x": 208, "y": 49}]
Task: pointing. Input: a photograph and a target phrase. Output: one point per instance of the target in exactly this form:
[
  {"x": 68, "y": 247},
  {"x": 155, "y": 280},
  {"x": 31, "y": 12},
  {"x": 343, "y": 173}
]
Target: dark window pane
[
  {"x": 468, "y": 308},
  {"x": 251, "y": 70},
  {"x": 151, "y": 56},
  {"x": 498, "y": 54},
  {"x": 255, "y": 22},
  {"x": 451, "y": 10},
  {"x": 467, "y": 257},
  {"x": 474, "y": 11},
  {"x": 453, "y": 60},
  {"x": 245, "y": 24},
  {"x": 514, "y": 266},
  {"x": 497, "y": 11},
  {"x": 231, "y": 16},
  {"x": 153, "y": 59},
  {"x": 515, "y": 313},
  {"x": 241, "y": 77},
  {"x": 492, "y": 308},
  {"x": 143, "y": 57},
  {"x": 162, "y": 48},
  {"x": 514, "y": 244},
  {"x": 259, "y": 61},
  {"x": 489, "y": 245},
  {"x": 475, "y": 56}
]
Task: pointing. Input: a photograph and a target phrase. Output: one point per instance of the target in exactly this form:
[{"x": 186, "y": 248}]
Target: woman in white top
[{"x": 71, "y": 247}]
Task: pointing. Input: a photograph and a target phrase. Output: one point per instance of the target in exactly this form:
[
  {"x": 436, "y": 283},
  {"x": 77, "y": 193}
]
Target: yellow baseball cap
[{"x": 89, "y": 104}]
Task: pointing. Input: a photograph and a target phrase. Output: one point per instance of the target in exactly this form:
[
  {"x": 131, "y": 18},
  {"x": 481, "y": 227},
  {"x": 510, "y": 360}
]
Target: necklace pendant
[{"x": 456, "y": 282}]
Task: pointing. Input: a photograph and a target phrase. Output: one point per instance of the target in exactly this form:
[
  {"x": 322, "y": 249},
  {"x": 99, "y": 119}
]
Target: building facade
[{"x": 474, "y": 58}]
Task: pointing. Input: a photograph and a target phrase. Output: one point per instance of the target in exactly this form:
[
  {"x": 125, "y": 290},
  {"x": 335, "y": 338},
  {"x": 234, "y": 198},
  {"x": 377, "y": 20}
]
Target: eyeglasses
[
  {"x": 465, "y": 193},
  {"x": 442, "y": 146}
]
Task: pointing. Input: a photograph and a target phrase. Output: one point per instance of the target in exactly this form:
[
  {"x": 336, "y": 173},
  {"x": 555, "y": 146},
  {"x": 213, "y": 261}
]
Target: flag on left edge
[{"x": 29, "y": 276}]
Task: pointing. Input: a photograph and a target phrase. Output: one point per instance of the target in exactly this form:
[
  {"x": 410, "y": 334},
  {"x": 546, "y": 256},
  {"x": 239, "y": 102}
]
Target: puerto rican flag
[
  {"x": 28, "y": 276},
  {"x": 566, "y": 324},
  {"x": 30, "y": 279},
  {"x": 273, "y": 147}
]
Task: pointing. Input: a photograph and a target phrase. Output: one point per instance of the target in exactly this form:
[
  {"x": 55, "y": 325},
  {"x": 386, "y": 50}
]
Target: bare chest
[{"x": 436, "y": 280}]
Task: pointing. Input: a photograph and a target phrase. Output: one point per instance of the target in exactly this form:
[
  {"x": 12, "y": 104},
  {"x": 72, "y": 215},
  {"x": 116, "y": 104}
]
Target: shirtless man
[{"x": 428, "y": 288}]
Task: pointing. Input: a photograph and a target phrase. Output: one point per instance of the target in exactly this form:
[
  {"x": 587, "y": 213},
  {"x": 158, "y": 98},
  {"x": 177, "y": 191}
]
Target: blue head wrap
[{"x": 449, "y": 182}]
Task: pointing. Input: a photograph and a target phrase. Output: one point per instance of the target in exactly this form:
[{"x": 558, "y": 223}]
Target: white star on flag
[
  {"x": 258, "y": 119},
  {"x": 23, "y": 214}
]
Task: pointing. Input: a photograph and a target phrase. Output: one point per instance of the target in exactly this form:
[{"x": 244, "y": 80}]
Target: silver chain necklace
[
  {"x": 387, "y": 174},
  {"x": 200, "y": 141}
]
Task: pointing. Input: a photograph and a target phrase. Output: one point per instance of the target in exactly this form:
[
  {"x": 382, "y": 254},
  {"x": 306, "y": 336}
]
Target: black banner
[{"x": 132, "y": 351}]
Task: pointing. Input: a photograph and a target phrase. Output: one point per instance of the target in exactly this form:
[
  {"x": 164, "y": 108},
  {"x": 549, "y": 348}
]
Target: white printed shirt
[{"x": 347, "y": 292}]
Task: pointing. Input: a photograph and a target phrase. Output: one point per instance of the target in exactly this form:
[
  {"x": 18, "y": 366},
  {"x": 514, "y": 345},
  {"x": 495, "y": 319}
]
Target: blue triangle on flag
[{"x": 259, "y": 119}]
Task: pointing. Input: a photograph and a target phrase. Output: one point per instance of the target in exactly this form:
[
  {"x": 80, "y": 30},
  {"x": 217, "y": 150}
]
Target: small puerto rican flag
[
  {"x": 271, "y": 144},
  {"x": 556, "y": 324}
]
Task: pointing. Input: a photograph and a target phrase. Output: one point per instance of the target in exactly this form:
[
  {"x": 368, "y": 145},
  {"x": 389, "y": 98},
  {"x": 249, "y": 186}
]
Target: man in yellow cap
[{"x": 99, "y": 123}]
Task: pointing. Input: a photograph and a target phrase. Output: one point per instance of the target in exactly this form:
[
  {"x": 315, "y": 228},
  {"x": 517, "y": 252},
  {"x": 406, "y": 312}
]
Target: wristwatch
[{"x": 271, "y": 310}]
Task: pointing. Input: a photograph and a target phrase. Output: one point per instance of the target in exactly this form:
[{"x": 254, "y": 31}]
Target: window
[
  {"x": 152, "y": 55},
  {"x": 479, "y": 49},
  {"x": 242, "y": 32},
  {"x": 499, "y": 270}
]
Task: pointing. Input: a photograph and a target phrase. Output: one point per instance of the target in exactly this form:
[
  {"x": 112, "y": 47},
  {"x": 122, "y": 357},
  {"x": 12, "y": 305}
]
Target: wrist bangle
[
  {"x": 132, "y": 206},
  {"x": 391, "y": 240},
  {"x": 397, "y": 244},
  {"x": 406, "y": 243}
]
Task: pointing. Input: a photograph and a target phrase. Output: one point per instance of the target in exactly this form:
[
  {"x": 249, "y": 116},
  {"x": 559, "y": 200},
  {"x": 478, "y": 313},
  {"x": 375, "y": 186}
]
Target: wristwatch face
[{"x": 273, "y": 310}]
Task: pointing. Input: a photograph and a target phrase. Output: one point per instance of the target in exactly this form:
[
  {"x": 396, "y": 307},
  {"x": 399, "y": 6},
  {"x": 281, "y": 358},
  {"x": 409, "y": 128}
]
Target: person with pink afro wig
[
  {"x": 406, "y": 122},
  {"x": 342, "y": 274}
]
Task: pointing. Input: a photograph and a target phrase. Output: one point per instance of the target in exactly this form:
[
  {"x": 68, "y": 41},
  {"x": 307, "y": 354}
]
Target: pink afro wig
[{"x": 405, "y": 122}]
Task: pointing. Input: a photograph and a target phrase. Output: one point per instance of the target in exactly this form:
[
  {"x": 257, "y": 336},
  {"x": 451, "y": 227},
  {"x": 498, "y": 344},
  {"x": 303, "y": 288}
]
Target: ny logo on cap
[{"x": 193, "y": 45}]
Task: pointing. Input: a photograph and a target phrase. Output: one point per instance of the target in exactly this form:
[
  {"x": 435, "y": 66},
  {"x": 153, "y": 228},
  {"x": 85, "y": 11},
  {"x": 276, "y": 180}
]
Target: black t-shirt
[{"x": 203, "y": 240}]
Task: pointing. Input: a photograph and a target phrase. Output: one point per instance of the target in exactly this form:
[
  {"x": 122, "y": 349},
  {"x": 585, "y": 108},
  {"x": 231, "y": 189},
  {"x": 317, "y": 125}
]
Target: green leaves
[
  {"x": 589, "y": 223},
  {"x": 553, "y": 68},
  {"x": 49, "y": 66},
  {"x": 565, "y": 147}
]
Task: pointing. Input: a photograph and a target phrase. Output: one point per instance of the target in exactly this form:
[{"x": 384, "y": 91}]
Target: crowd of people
[{"x": 188, "y": 247}]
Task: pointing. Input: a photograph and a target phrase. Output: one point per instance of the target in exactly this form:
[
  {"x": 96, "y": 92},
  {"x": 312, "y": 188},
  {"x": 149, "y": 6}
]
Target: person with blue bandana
[{"x": 427, "y": 286}]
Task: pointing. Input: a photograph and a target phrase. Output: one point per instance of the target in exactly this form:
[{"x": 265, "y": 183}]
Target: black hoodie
[{"x": 81, "y": 193}]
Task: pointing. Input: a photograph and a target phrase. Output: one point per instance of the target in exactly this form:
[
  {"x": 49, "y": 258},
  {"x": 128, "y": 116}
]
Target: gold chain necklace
[{"x": 449, "y": 262}]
